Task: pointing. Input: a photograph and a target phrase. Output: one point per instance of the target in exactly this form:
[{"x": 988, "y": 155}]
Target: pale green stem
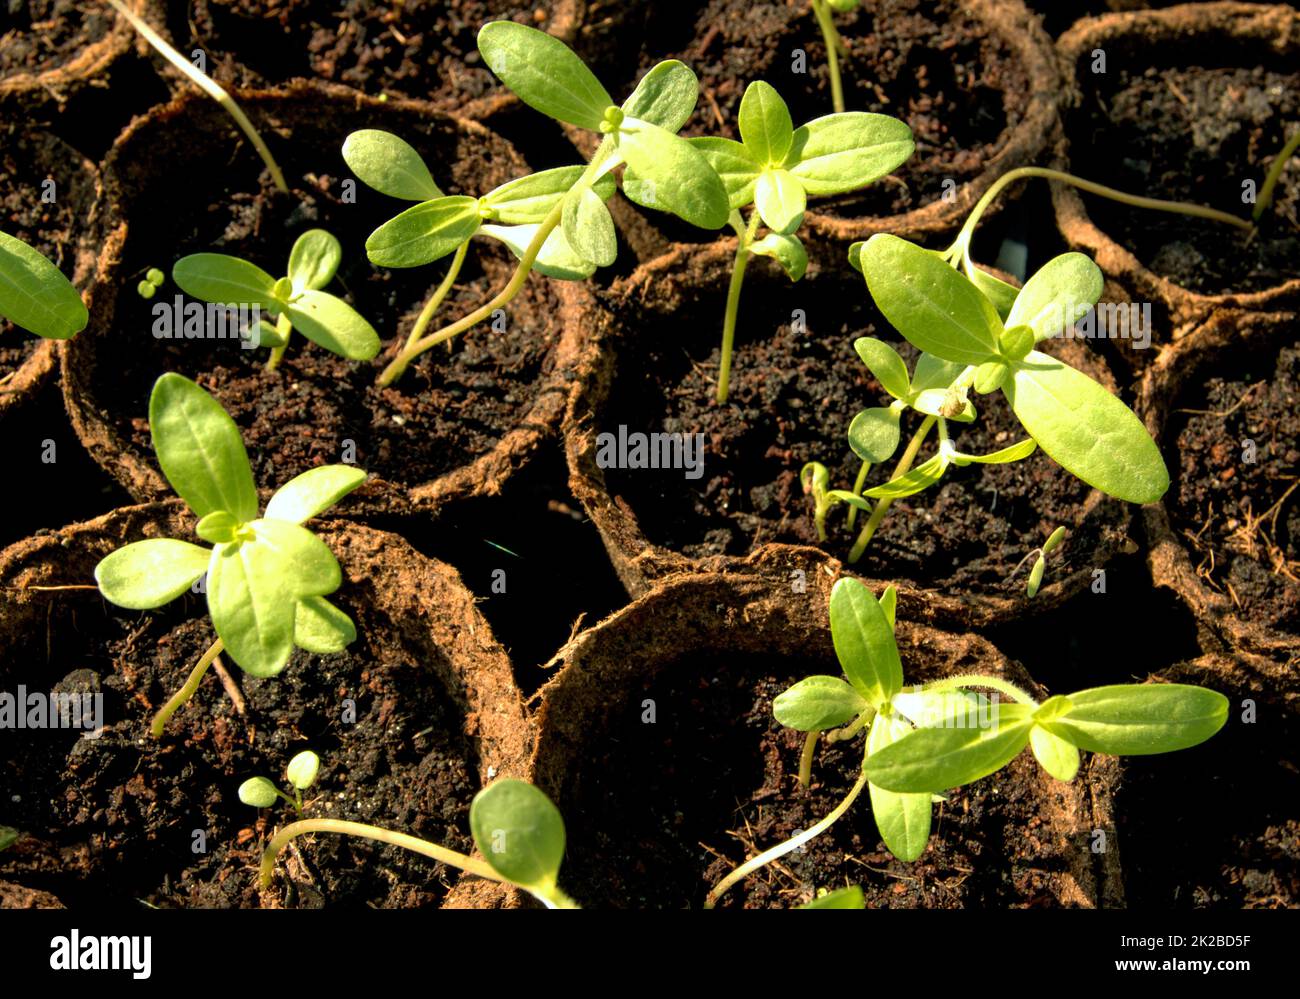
[
  {"x": 187, "y": 691},
  {"x": 743, "y": 240},
  {"x": 283, "y": 326},
  {"x": 552, "y": 898},
  {"x": 979, "y": 680},
  {"x": 208, "y": 86},
  {"x": 961, "y": 246},
  {"x": 882, "y": 505},
  {"x": 806, "y": 757},
  {"x": 834, "y": 46},
  {"x": 779, "y": 851},
  {"x": 858, "y": 483},
  {"x": 1274, "y": 174},
  {"x": 852, "y": 728},
  {"x": 439, "y": 295}
]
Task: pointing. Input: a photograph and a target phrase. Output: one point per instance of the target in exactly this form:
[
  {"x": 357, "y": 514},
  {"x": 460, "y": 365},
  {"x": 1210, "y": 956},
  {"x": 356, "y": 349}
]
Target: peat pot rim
[
  {"x": 733, "y": 615},
  {"x": 1271, "y": 28},
  {"x": 642, "y": 565},
  {"x": 422, "y": 600},
  {"x": 485, "y": 475}
]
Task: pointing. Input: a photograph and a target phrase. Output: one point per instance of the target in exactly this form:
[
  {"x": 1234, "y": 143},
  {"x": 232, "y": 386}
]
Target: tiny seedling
[
  {"x": 924, "y": 740},
  {"x": 515, "y": 826},
  {"x": 261, "y": 792},
  {"x": 1274, "y": 174},
  {"x": 775, "y": 168},
  {"x": 1040, "y": 561},
  {"x": 296, "y": 300},
  {"x": 267, "y": 577},
  {"x": 150, "y": 283},
  {"x": 841, "y": 898},
  {"x": 835, "y": 47},
  {"x": 34, "y": 294},
  {"x": 550, "y": 78}
]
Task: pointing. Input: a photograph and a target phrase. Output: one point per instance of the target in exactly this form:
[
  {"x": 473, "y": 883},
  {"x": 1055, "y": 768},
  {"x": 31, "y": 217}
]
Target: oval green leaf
[
  {"x": 864, "y": 642},
  {"x": 313, "y": 492},
  {"x": 226, "y": 280},
  {"x": 330, "y": 322},
  {"x": 931, "y": 760},
  {"x": 35, "y": 295},
  {"x": 884, "y": 362},
  {"x": 780, "y": 200},
  {"x": 390, "y": 165},
  {"x": 519, "y": 832},
  {"x": 424, "y": 233},
  {"x": 665, "y": 96},
  {"x": 903, "y": 820},
  {"x": 151, "y": 573},
  {"x": 544, "y": 73},
  {"x": 765, "y": 125},
  {"x": 817, "y": 703},
  {"x": 845, "y": 151},
  {"x": 320, "y": 627},
  {"x": 684, "y": 182},
  {"x": 1140, "y": 719},
  {"x": 314, "y": 260},
  {"x": 1058, "y": 295}
]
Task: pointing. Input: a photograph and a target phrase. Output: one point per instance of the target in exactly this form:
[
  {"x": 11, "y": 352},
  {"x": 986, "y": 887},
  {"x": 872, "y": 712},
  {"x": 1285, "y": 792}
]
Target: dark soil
[
  {"x": 38, "y": 35},
  {"x": 27, "y": 160},
  {"x": 670, "y": 809},
  {"x": 122, "y": 811},
  {"x": 1192, "y": 133},
  {"x": 923, "y": 61},
  {"x": 1235, "y": 841},
  {"x": 792, "y": 399},
  {"x": 418, "y": 48},
  {"x": 1240, "y": 520},
  {"x": 449, "y": 408}
]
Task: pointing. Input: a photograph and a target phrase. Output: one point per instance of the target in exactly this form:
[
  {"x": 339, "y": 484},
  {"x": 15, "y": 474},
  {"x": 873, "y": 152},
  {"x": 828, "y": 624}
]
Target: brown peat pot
[
  {"x": 459, "y": 423},
  {"x": 417, "y": 714},
  {"x": 657, "y": 742},
  {"x": 955, "y": 551},
  {"x": 1194, "y": 103}
]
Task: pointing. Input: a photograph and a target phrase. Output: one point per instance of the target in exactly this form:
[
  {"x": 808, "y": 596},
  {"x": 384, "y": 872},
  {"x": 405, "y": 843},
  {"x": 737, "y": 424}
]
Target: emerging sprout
[
  {"x": 775, "y": 167},
  {"x": 34, "y": 294},
  {"x": 1040, "y": 562},
  {"x": 515, "y": 826},
  {"x": 267, "y": 577},
  {"x": 835, "y": 47},
  {"x": 152, "y": 281},
  {"x": 1274, "y": 175},
  {"x": 924, "y": 740},
  {"x": 301, "y": 771},
  {"x": 296, "y": 300}
]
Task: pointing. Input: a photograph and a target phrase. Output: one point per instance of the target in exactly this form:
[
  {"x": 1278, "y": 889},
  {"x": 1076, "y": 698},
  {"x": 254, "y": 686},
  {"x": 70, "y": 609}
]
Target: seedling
[
  {"x": 549, "y": 77},
  {"x": 296, "y": 300},
  {"x": 925, "y": 740},
  {"x": 835, "y": 47},
  {"x": 267, "y": 577},
  {"x": 968, "y": 344},
  {"x": 150, "y": 283},
  {"x": 1040, "y": 561},
  {"x": 260, "y": 792},
  {"x": 842, "y": 898},
  {"x": 515, "y": 826},
  {"x": 774, "y": 168},
  {"x": 440, "y": 224},
  {"x": 34, "y": 294},
  {"x": 1273, "y": 176}
]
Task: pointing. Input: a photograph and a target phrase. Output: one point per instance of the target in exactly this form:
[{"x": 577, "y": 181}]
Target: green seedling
[
  {"x": 1274, "y": 174},
  {"x": 296, "y": 300},
  {"x": 440, "y": 224},
  {"x": 971, "y": 345},
  {"x": 260, "y": 792},
  {"x": 34, "y": 294},
  {"x": 835, "y": 47},
  {"x": 775, "y": 168},
  {"x": 841, "y": 898},
  {"x": 641, "y": 133},
  {"x": 150, "y": 283},
  {"x": 1040, "y": 561},
  {"x": 515, "y": 826},
  {"x": 267, "y": 577},
  {"x": 924, "y": 740}
]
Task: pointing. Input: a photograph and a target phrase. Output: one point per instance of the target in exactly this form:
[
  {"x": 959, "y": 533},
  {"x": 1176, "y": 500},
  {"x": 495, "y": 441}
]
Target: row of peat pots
[{"x": 728, "y": 578}]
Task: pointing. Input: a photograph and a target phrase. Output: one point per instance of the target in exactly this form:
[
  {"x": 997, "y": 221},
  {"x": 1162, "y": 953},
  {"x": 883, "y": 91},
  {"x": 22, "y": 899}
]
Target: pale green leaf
[
  {"x": 1139, "y": 719},
  {"x": 544, "y": 73},
  {"x": 519, "y": 832},
  {"x": 302, "y": 769},
  {"x": 817, "y": 703},
  {"x": 788, "y": 251},
  {"x": 35, "y": 295},
  {"x": 923, "y": 476},
  {"x": 874, "y": 434},
  {"x": 884, "y": 362},
  {"x": 217, "y": 528},
  {"x": 1057, "y": 757},
  {"x": 148, "y": 574},
  {"x": 313, "y": 492},
  {"x": 902, "y": 819},
  {"x": 997, "y": 291},
  {"x": 780, "y": 200},
  {"x": 864, "y": 641},
  {"x": 684, "y": 182},
  {"x": 665, "y": 96},
  {"x": 845, "y": 151},
  {"x": 226, "y": 280},
  {"x": 588, "y": 227},
  {"x": 390, "y": 165},
  {"x": 733, "y": 164},
  {"x": 424, "y": 233},
  {"x": 314, "y": 260},
  {"x": 1015, "y": 452},
  {"x": 258, "y": 792},
  {"x": 322, "y": 628},
  {"x": 1058, "y": 295},
  {"x": 330, "y": 322},
  {"x": 841, "y": 898},
  {"x": 931, "y": 760},
  {"x": 765, "y": 125},
  {"x": 530, "y": 199},
  {"x": 556, "y": 259}
]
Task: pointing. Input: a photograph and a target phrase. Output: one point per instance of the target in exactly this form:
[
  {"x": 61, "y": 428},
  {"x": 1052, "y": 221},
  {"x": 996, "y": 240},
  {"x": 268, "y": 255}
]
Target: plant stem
[
  {"x": 208, "y": 86},
  {"x": 439, "y": 294},
  {"x": 552, "y": 898},
  {"x": 187, "y": 691},
  {"x": 743, "y": 240},
  {"x": 852, "y": 728},
  {"x": 962, "y": 242},
  {"x": 858, "y": 483},
  {"x": 793, "y": 843},
  {"x": 283, "y": 326},
  {"x": 834, "y": 45},
  {"x": 882, "y": 506},
  {"x": 1274, "y": 173},
  {"x": 806, "y": 757},
  {"x": 979, "y": 680}
]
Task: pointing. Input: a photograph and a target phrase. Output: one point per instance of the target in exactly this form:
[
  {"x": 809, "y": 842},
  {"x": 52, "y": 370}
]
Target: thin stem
[
  {"x": 834, "y": 45},
  {"x": 743, "y": 254},
  {"x": 439, "y": 294},
  {"x": 858, "y": 483},
  {"x": 793, "y": 843},
  {"x": 852, "y": 728},
  {"x": 806, "y": 757},
  {"x": 979, "y": 680},
  {"x": 208, "y": 86},
  {"x": 284, "y": 327},
  {"x": 882, "y": 506},
  {"x": 187, "y": 691},
  {"x": 1274, "y": 174}
]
